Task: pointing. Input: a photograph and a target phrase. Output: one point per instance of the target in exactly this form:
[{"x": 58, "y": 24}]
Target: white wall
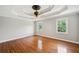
[
  {"x": 49, "y": 28},
  {"x": 11, "y": 28},
  {"x": 14, "y": 28},
  {"x": 78, "y": 27}
]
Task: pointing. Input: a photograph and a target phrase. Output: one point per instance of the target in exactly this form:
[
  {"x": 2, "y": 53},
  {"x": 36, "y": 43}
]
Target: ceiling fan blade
[
  {"x": 26, "y": 17},
  {"x": 22, "y": 14},
  {"x": 58, "y": 11},
  {"x": 46, "y": 10},
  {"x": 30, "y": 13}
]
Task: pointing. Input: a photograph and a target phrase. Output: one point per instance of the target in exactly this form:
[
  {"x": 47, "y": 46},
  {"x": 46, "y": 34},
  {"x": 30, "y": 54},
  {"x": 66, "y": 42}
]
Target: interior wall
[
  {"x": 49, "y": 28},
  {"x": 11, "y": 28},
  {"x": 78, "y": 27}
]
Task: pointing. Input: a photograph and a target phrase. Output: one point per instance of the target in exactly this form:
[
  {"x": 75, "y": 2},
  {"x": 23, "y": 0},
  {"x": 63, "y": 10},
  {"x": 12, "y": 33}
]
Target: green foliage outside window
[
  {"x": 39, "y": 27},
  {"x": 61, "y": 26}
]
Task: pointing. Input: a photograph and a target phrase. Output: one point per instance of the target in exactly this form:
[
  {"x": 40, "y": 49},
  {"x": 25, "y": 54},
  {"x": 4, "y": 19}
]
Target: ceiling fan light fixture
[
  {"x": 36, "y": 13},
  {"x": 36, "y": 8}
]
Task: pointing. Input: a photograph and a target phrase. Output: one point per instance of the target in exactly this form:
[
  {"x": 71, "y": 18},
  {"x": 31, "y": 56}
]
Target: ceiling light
[{"x": 36, "y": 8}]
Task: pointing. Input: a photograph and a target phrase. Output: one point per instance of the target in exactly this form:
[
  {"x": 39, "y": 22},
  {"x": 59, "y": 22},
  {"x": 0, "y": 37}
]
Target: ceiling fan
[{"x": 37, "y": 11}]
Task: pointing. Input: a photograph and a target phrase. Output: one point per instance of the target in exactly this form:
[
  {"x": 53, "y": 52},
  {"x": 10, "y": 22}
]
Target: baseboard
[
  {"x": 15, "y": 38},
  {"x": 38, "y": 35},
  {"x": 60, "y": 39}
]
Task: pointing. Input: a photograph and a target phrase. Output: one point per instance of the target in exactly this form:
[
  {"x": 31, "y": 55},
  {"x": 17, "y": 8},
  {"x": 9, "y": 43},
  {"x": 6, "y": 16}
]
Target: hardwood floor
[{"x": 30, "y": 45}]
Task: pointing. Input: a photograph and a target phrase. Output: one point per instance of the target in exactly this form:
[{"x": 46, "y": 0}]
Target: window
[
  {"x": 62, "y": 25},
  {"x": 39, "y": 27}
]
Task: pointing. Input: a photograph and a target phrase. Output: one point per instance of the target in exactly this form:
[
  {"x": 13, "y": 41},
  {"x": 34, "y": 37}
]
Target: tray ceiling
[{"x": 26, "y": 11}]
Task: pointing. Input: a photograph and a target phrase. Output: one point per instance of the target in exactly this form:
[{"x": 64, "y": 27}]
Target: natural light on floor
[
  {"x": 62, "y": 49},
  {"x": 40, "y": 43}
]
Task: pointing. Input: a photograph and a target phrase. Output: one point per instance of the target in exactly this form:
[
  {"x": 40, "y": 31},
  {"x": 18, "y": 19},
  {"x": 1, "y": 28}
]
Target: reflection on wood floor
[{"x": 32, "y": 45}]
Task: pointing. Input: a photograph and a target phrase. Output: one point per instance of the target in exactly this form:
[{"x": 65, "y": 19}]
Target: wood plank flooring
[{"x": 30, "y": 45}]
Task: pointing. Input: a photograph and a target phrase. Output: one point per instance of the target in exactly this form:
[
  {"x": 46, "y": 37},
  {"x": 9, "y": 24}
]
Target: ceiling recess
[{"x": 42, "y": 10}]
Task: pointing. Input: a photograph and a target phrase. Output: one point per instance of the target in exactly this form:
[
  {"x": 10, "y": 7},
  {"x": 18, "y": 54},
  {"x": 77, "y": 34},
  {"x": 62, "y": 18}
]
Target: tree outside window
[{"x": 62, "y": 25}]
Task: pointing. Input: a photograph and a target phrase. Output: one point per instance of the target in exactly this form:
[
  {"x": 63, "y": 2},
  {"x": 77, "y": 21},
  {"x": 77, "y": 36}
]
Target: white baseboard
[
  {"x": 60, "y": 39},
  {"x": 18, "y": 37},
  {"x": 40, "y": 35}
]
